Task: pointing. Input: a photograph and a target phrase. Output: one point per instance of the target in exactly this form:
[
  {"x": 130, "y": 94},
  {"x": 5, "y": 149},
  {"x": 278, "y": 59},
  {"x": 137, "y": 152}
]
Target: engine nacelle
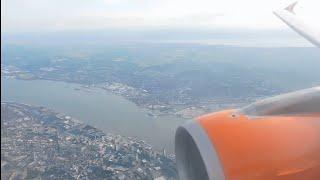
[{"x": 276, "y": 138}]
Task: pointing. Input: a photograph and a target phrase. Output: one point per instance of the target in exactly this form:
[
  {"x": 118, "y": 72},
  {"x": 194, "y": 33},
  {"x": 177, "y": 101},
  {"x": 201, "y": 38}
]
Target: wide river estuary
[{"x": 96, "y": 107}]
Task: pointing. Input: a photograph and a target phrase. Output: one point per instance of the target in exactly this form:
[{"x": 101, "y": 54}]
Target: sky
[{"x": 59, "y": 15}]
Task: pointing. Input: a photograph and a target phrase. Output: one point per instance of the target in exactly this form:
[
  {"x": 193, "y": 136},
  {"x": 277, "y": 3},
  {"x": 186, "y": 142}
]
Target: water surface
[{"x": 99, "y": 108}]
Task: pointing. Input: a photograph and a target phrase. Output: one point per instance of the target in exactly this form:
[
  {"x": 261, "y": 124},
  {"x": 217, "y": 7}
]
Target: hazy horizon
[
  {"x": 237, "y": 23},
  {"x": 240, "y": 37}
]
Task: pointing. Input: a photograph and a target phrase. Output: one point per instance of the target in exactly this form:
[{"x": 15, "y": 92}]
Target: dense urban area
[{"x": 38, "y": 143}]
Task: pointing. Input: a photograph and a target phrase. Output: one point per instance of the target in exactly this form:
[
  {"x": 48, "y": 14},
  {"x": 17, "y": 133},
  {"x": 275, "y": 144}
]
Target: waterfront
[
  {"x": 37, "y": 143},
  {"x": 96, "y": 107}
]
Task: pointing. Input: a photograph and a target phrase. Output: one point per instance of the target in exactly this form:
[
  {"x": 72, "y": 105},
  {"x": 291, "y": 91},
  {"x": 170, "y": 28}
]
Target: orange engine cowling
[{"x": 276, "y": 138}]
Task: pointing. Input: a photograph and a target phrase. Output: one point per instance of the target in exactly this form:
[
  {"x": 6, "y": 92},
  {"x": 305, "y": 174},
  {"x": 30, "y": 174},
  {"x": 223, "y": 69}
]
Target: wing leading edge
[{"x": 288, "y": 16}]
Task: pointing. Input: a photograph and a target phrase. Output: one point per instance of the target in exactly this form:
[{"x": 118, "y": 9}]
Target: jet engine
[{"x": 275, "y": 138}]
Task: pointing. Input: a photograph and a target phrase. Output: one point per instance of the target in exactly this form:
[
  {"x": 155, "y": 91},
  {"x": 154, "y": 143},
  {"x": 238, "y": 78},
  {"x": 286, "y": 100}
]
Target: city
[{"x": 39, "y": 143}]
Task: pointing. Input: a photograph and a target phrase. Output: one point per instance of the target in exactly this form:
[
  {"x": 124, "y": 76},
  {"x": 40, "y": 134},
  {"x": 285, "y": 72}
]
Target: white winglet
[
  {"x": 291, "y": 7},
  {"x": 288, "y": 16}
]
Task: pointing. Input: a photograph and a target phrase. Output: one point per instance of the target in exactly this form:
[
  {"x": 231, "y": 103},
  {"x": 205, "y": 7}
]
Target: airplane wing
[{"x": 289, "y": 17}]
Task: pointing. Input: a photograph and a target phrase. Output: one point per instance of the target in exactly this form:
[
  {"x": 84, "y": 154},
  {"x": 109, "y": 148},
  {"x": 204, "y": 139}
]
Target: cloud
[{"x": 51, "y": 15}]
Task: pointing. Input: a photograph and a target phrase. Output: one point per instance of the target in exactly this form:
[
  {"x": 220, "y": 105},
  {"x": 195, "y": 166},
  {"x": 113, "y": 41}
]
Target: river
[{"x": 96, "y": 107}]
